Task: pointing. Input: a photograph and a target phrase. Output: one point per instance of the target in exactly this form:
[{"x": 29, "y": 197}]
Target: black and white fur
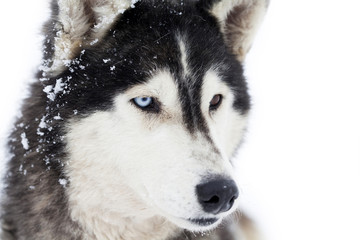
[{"x": 88, "y": 163}]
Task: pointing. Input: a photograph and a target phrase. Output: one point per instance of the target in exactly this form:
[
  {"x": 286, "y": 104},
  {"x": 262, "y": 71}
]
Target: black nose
[{"x": 217, "y": 196}]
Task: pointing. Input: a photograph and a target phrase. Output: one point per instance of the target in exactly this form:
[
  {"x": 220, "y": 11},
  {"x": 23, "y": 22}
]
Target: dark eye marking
[{"x": 215, "y": 102}]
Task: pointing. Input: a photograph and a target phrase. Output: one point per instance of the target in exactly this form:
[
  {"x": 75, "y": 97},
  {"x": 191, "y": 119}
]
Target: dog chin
[{"x": 196, "y": 224}]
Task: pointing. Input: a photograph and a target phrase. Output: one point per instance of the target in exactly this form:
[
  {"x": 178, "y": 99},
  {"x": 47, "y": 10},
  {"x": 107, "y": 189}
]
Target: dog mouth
[{"x": 203, "y": 222}]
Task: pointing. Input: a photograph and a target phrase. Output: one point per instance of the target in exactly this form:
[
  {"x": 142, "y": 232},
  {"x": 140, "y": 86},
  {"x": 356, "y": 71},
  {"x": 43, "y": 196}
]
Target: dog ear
[
  {"x": 76, "y": 24},
  {"x": 239, "y": 21}
]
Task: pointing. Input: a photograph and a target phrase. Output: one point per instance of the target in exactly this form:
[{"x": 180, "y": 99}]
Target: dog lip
[{"x": 203, "y": 221}]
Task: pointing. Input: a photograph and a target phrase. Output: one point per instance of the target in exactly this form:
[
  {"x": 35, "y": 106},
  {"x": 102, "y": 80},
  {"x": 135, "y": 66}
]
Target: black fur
[{"x": 143, "y": 40}]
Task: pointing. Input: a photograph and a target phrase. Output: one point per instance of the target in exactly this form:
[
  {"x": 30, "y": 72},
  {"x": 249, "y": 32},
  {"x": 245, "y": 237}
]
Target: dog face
[
  {"x": 161, "y": 152},
  {"x": 161, "y": 105}
]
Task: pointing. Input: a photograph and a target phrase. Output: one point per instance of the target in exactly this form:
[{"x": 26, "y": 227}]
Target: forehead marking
[{"x": 184, "y": 58}]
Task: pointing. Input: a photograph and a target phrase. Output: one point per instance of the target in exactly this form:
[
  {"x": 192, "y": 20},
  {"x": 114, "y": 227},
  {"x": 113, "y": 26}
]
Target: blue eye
[
  {"x": 143, "y": 102},
  {"x": 147, "y": 104}
]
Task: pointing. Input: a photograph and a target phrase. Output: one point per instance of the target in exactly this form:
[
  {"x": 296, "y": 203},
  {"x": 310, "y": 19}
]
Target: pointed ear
[
  {"x": 76, "y": 24},
  {"x": 239, "y": 21}
]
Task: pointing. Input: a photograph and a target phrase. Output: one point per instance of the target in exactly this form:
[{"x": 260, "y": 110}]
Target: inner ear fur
[
  {"x": 76, "y": 24},
  {"x": 239, "y": 21}
]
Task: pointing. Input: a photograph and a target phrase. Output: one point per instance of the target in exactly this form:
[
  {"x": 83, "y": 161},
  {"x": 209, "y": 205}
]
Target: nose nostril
[
  {"x": 217, "y": 196},
  {"x": 213, "y": 200},
  {"x": 232, "y": 200}
]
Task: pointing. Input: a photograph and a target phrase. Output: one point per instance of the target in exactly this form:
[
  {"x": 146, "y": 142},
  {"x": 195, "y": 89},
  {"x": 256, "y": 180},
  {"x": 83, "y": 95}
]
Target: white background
[{"x": 300, "y": 164}]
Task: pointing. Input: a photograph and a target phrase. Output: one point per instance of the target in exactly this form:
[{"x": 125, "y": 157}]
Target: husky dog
[{"x": 130, "y": 131}]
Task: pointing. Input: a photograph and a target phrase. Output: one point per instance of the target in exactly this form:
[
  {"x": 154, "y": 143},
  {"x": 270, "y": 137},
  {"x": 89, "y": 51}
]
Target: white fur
[{"x": 134, "y": 175}]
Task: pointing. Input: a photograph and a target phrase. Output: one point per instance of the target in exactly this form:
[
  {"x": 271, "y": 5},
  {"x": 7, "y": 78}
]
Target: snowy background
[{"x": 300, "y": 165}]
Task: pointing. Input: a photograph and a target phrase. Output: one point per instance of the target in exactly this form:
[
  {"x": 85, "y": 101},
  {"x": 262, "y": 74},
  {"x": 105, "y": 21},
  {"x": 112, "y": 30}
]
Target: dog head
[{"x": 155, "y": 104}]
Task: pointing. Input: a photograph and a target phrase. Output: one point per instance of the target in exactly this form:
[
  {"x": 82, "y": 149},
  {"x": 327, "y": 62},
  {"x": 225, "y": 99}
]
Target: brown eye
[{"x": 215, "y": 102}]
